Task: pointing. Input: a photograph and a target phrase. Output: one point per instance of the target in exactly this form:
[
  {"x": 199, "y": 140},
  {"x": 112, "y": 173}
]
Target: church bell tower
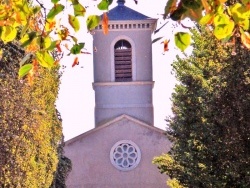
[{"x": 123, "y": 66}]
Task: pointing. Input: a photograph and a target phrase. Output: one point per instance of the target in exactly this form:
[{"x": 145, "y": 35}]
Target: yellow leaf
[
  {"x": 74, "y": 22},
  {"x": 245, "y": 39},
  {"x": 8, "y": 33}
]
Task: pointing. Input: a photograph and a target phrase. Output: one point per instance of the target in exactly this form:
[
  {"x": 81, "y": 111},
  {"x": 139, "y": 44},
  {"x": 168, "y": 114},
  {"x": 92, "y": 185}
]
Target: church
[{"x": 118, "y": 152}]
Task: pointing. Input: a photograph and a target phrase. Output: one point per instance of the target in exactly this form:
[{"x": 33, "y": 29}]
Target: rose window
[{"x": 125, "y": 155}]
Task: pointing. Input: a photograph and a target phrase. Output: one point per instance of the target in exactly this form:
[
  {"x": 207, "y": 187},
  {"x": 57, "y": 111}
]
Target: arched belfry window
[{"x": 123, "y": 61}]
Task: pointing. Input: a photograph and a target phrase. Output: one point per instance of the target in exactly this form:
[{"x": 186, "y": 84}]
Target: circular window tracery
[{"x": 125, "y": 155}]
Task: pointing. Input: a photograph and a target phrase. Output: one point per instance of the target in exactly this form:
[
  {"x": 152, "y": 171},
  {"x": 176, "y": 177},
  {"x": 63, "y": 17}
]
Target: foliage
[
  {"x": 227, "y": 18},
  {"x": 63, "y": 168},
  {"x": 210, "y": 129},
  {"x": 36, "y": 25},
  {"x": 29, "y": 128}
]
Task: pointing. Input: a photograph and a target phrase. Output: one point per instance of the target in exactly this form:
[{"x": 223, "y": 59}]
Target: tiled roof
[{"x": 121, "y": 12}]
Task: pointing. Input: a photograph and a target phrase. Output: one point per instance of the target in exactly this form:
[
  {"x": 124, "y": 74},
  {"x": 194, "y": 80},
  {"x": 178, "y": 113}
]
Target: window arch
[{"x": 123, "y": 61}]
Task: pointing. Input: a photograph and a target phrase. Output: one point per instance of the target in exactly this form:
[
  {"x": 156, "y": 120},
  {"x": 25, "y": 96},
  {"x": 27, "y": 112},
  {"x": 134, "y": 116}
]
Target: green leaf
[
  {"x": 182, "y": 40},
  {"x": 178, "y": 13},
  {"x": 79, "y": 10},
  {"x": 55, "y": 1},
  {"x": 8, "y": 33},
  {"x": 45, "y": 59},
  {"x": 74, "y": 22},
  {"x": 36, "y": 9},
  {"x": 92, "y": 21},
  {"x": 55, "y": 10},
  {"x": 76, "y": 49},
  {"x": 24, "y": 70},
  {"x": 191, "y": 4},
  {"x": 104, "y": 4}
]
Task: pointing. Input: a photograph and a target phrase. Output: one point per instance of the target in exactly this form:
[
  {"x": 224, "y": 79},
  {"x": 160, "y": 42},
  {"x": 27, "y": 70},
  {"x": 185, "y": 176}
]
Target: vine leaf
[
  {"x": 45, "y": 59},
  {"x": 79, "y": 10},
  {"x": 182, "y": 40},
  {"x": 104, "y": 4},
  {"x": 92, "y": 21},
  {"x": 55, "y": 1},
  {"x": 170, "y": 7},
  {"x": 24, "y": 70},
  {"x": 27, "y": 39},
  {"x": 8, "y": 33},
  {"x": 54, "y": 11},
  {"x": 76, "y": 49},
  {"x": 74, "y": 22}
]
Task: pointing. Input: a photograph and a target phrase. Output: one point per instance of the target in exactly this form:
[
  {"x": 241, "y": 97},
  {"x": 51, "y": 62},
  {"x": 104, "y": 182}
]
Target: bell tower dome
[{"x": 123, "y": 66}]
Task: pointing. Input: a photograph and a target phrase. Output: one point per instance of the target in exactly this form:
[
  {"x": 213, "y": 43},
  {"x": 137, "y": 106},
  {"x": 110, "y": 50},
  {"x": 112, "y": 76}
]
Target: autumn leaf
[
  {"x": 8, "y": 33},
  {"x": 165, "y": 42},
  {"x": 74, "y": 22},
  {"x": 170, "y": 7},
  {"x": 245, "y": 39},
  {"x": 207, "y": 19},
  {"x": 63, "y": 33},
  {"x": 45, "y": 59},
  {"x": 27, "y": 39},
  {"x": 76, "y": 62},
  {"x": 206, "y": 6},
  {"x": 105, "y": 20},
  {"x": 223, "y": 31},
  {"x": 58, "y": 47}
]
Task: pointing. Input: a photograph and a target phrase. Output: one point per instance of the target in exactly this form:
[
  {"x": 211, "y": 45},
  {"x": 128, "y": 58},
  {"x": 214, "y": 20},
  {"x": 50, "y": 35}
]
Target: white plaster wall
[{"x": 92, "y": 168}]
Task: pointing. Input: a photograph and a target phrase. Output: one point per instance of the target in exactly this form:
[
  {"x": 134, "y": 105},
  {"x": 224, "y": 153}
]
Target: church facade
[{"x": 118, "y": 152}]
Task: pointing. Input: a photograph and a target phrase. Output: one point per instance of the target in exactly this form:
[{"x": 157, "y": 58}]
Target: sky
[{"x": 76, "y": 95}]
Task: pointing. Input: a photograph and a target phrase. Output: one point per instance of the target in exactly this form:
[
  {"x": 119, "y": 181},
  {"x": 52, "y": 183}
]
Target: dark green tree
[
  {"x": 63, "y": 168},
  {"x": 210, "y": 129}
]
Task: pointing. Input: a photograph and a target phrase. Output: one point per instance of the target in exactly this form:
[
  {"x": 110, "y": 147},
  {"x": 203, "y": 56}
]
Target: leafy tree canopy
[
  {"x": 210, "y": 128},
  {"x": 34, "y": 25}
]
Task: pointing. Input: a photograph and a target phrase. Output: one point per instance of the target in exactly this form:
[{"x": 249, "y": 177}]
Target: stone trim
[
  {"x": 125, "y": 155},
  {"x": 127, "y": 26},
  {"x": 124, "y": 105},
  {"x": 99, "y": 84},
  {"x": 113, "y": 121}
]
